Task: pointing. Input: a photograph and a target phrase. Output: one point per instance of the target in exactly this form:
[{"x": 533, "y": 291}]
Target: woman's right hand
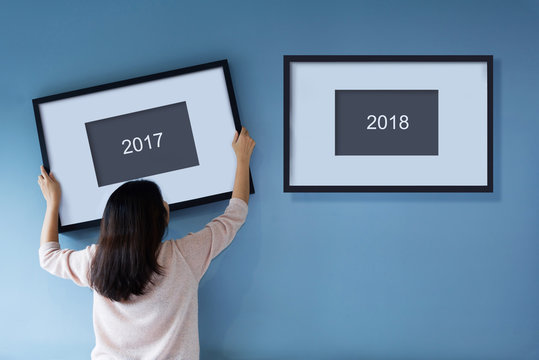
[{"x": 243, "y": 145}]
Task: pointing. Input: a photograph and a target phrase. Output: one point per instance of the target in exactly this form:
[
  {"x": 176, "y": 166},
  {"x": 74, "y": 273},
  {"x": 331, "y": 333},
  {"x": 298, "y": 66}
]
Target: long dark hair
[{"x": 133, "y": 225}]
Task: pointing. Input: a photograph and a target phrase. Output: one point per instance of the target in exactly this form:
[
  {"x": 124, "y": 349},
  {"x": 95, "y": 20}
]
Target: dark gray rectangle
[
  {"x": 386, "y": 122},
  {"x": 142, "y": 143}
]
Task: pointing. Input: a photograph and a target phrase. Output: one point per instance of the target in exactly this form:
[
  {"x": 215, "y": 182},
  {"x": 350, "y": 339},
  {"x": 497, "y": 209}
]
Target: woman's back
[{"x": 162, "y": 323}]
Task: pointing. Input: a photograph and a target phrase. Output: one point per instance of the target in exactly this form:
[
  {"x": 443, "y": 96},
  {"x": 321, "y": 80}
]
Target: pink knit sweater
[{"x": 163, "y": 323}]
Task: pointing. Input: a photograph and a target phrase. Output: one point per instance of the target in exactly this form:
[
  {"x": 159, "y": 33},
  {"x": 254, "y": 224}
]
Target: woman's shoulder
[{"x": 167, "y": 248}]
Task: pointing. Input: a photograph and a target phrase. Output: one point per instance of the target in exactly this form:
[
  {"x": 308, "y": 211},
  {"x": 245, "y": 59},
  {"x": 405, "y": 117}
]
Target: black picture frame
[
  {"x": 132, "y": 81},
  {"x": 289, "y": 59}
]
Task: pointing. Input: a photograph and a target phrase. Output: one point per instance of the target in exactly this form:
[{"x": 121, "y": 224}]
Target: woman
[{"x": 145, "y": 291}]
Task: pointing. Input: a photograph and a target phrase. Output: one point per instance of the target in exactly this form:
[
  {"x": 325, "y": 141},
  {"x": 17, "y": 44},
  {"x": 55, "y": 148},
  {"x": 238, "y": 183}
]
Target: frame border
[
  {"x": 141, "y": 79},
  {"x": 288, "y": 59}
]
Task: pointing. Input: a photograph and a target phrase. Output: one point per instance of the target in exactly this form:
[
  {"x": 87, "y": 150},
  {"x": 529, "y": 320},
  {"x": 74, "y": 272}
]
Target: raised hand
[
  {"x": 243, "y": 145},
  {"x": 50, "y": 187}
]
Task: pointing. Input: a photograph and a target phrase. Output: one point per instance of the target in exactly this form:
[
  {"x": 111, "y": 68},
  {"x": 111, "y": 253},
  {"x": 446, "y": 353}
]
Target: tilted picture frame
[{"x": 174, "y": 128}]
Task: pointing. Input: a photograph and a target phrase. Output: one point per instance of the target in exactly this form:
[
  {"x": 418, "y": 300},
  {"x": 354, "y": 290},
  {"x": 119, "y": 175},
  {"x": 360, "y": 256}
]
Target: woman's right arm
[{"x": 201, "y": 247}]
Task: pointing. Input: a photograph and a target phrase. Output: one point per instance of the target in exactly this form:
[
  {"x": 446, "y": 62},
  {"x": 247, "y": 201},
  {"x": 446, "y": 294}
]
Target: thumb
[{"x": 235, "y": 138}]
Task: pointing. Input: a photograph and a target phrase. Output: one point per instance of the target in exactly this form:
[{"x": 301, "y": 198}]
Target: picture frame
[
  {"x": 331, "y": 100},
  {"x": 174, "y": 128}
]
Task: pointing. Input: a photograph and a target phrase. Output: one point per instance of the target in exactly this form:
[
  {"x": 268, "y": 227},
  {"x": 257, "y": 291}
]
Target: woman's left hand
[{"x": 50, "y": 187}]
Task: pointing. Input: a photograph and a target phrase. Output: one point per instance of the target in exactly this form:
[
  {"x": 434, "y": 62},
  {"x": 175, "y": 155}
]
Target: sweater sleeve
[
  {"x": 199, "y": 248},
  {"x": 67, "y": 264}
]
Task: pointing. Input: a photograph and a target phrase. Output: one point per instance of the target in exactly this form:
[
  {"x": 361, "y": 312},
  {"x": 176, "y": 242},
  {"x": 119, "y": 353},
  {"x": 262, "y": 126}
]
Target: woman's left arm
[
  {"x": 67, "y": 264},
  {"x": 52, "y": 194}
]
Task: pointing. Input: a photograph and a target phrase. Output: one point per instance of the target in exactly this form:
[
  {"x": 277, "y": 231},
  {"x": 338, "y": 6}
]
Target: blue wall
[{"x": 310, "y": 276}]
